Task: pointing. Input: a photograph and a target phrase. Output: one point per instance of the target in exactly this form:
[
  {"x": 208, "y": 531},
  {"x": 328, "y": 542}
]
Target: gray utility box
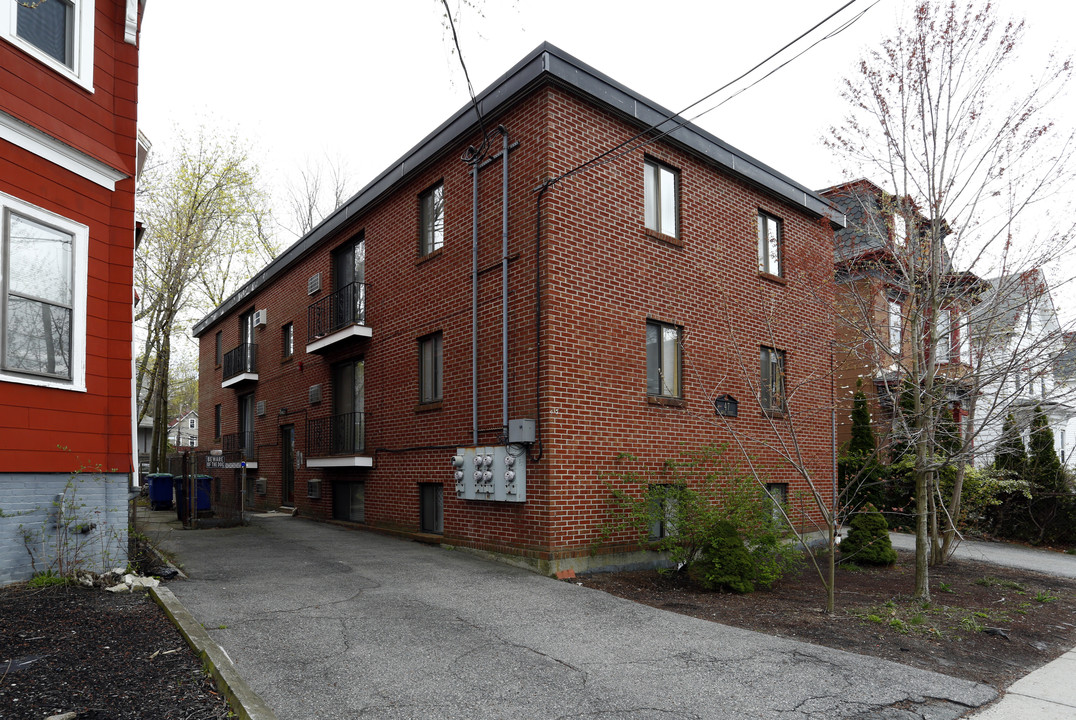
[
  {"x": 521, "y": 431},
  {"x": 497, "y": 472}
]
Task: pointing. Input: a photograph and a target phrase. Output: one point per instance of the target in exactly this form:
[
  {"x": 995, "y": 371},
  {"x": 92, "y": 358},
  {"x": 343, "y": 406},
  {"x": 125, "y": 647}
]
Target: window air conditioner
[{"x": 259, "y": 318}]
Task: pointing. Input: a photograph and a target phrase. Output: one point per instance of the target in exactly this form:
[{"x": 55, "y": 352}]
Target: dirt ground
[
  {"x": 100, "y": 655},
  {"x": 984, "y": 623}
]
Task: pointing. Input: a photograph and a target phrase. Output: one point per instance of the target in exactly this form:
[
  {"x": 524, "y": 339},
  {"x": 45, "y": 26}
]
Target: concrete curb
[{"x": 244, "y": 702}]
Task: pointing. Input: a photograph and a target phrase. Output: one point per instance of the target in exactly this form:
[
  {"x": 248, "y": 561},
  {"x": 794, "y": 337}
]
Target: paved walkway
[
  {"x": 1048, "y": 693},
  {"x": 327, "y": 622}
]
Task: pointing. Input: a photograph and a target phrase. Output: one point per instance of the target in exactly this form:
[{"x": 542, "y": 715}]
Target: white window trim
[
  {"x": 45, "y": 146},
  {"x": 81, "y": 236},
  {"x": 82, "y": 50}
]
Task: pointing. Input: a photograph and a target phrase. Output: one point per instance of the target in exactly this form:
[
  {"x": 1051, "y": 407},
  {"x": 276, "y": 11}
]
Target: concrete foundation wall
[{"x": 84, "y": 516}]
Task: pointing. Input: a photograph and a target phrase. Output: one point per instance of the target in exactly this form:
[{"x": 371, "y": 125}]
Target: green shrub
[
  {"x": 868, "y": 540},
  {"x": 724, "y": 563}
]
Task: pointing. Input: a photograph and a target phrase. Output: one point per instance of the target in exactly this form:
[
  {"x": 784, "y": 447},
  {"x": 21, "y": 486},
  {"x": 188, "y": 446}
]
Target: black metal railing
[
  {"x": 240, "y": 442},
  {"x": 346, "y": 306},
  {"x": 243, "y": 359},
  {"x": 337, "y": 435}
]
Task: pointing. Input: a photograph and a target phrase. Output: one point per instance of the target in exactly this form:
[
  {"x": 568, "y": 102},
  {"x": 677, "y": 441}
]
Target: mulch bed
[
  {"x": 100, "y": 655},
  {"x": 984, "y": 623}
]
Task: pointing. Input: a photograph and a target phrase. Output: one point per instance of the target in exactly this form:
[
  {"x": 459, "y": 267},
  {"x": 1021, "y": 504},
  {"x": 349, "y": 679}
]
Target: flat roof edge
[{"x": 544, "y": 63}]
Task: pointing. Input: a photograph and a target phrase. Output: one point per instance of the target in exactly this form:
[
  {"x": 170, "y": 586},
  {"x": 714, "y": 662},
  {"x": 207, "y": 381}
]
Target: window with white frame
[
  {"x": 900, "y": 230},
  {"x": 894, "y": 325},
  {"x": 663, "y": 360},
  {"x": 429, "y": 368},
  {"x": 660, "y": 201},
  {"x": 772, "y": 379},
  {"x": 59, "y": 33},
  {"x": 42, "y": 296},
  {"x": 769, "y": 244},
  {"x": 945, "y": 336},
  {"x": 964, "y": 339},
  {"x": 191, "y": 424}
]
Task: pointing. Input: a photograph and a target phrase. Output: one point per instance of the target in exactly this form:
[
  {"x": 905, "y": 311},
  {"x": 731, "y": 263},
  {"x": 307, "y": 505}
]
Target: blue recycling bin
[
  {"x": 160, "y": 490},
  {"x": 205, "y": 484}
]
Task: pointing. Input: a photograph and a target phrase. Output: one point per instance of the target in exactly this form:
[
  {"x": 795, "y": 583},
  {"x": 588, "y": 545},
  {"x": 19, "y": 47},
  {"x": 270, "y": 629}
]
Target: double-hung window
[
  {"x": 42, "y": 296},
  {"x": 893, "y": 323},
  {"x": 429, "y": 368},
  {"x": 772, "y": 379},
  {"x": 769, "y": 244},
  {"x": 59, "y": 33},
  {"x": 661, "y": 201},
  {"x": 431, "y": 219},
  {"x": 663, "y": 360},
  {"x": 287, "y": 341}
]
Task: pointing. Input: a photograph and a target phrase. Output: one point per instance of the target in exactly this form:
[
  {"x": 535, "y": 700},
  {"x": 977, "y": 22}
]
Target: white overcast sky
[{"x": 364, "y": 81}]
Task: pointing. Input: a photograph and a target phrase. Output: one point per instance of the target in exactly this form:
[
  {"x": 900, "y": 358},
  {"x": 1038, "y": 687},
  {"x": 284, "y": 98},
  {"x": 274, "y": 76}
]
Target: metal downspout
[
  {"x": 474, "y": 304},
  {"x": 504, "y": 279}
]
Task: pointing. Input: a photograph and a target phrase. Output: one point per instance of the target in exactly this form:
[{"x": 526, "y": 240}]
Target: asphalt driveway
[{"x": 327, "y": 622}]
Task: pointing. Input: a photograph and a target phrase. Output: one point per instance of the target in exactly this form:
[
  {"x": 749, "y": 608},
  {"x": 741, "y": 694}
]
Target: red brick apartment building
[
  {"x": 463, "y": 350},
  {"x": 68, "y": 156}
]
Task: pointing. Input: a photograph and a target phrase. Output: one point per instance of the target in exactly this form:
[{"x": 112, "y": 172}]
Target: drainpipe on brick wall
[
  {"x": 474, "y": 304},
  {"x": 536, "y": 456},
  {"x": 504, "y": 279}
]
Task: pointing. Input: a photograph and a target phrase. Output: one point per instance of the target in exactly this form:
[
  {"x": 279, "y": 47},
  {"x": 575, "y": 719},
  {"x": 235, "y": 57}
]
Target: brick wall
[{"x": 602, "y": 277}]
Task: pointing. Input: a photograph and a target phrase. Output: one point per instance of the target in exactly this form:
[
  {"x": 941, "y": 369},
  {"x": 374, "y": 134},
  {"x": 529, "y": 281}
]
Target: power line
[
  {"x": 681, "y": 122},
  {"x": 472, "y": 155}
]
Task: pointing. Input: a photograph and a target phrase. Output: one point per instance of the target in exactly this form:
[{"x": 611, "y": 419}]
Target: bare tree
[
  {"x": 207, "y": 228},
  {"x": 967, "y": 167},
  {"x": 314, "y": 192}
]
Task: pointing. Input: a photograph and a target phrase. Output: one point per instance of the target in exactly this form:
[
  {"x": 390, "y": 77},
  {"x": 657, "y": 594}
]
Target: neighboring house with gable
[
  {"x": 183, "y": 433},
  {"x": 460, "y": 352},
  {"x": 68, "y": 162},
  {"x": 873, "y": 341},
  {"x": 1026, "y": 361}
]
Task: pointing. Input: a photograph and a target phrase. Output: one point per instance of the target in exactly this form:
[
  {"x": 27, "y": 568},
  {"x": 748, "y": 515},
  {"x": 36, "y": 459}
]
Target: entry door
[
  {"x": 246, "y": 424},
  {"x": 349, "y": 398},
  {"x": 349, "y": 274},
  {"x": 287, "y": 464}
]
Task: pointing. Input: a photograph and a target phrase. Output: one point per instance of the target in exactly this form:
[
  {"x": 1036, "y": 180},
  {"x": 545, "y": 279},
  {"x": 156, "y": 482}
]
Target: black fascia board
[{"x": 546, "y": 63}]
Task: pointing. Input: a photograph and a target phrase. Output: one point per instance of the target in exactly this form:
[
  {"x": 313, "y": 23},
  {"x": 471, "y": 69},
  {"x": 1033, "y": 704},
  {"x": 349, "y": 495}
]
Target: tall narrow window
[
  {"x": 431, "y": 219},
  {"x": 429, "y": 368},
  {"x": 349, "y": 401},
  {"x": 661, "y": 204},
  {"x": 216, "y": 422},
  {"x": 769, "y": 244},
  {"x": 219, "y": 351},
  {"x": 945, "y": 336},
  {"x": 772, "y": 379},
  {"x": 964, "y": 340},
  {"x": 349, "y": 284},
  {"x": 38, "y": 298},
  {"x": 287, "y": 341},
  {"x": 894, "y": 325},
  {"x": 663, "y": 360},
  {"x": 900, "y": 230}
]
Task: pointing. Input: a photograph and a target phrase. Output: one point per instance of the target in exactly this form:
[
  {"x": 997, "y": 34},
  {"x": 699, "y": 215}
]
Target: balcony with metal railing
[
  {"x": 337, "y": 318},
  {"x": 240, "y": 365},
  {"x": 337, "y": 441}
]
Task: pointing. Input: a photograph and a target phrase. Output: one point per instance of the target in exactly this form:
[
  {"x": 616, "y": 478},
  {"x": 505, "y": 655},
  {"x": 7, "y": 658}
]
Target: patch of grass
[
  {"x": 222, "y": 627},
  {"x": 46, "y": 579},
  {"x": 898, "y": 625},
  {"x": 991, "y": 581},
  {"x": 945, "y": 588},
  {"x": 1045, "y": 597},
  {"x": 875, "y": 618},
  {"x": 850, "y": 566},
  {"x": 969, "y": 623},
  {"x": 1071, "y": 551},
  {"x": 916, "y": 620}
]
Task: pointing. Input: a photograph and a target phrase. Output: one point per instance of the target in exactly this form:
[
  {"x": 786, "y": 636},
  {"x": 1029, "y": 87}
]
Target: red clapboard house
[
  {"x": 462, "y": 351},
  {"x": 68, "y": 155}
]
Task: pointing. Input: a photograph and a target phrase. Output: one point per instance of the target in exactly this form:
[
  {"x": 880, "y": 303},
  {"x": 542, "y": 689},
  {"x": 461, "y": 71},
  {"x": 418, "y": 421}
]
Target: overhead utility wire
[
  {"x": 703, "y": 99},
  {"x": 683, "y": 122},
  {"x": 472, "y": 155}
]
